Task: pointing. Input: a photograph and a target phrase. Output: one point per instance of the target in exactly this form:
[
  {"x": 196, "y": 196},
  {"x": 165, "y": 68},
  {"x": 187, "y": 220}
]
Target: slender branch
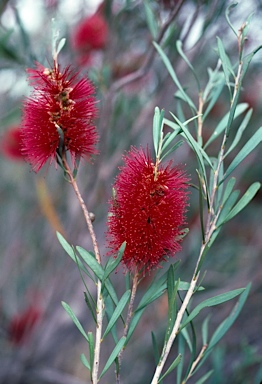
[
  {"x": 128, "y": 319},
  {"x": 150, "y": 56},
  {"x": 99, "y": 304},
  {"x": 195, "y": 362}
]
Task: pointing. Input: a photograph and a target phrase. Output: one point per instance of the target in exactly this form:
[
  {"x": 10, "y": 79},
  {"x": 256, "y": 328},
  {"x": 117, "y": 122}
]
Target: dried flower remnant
[
  {"x": 11, "y": 144},
  {"x": 147, "y": 211},
  {"x": 58, "y": 117}
]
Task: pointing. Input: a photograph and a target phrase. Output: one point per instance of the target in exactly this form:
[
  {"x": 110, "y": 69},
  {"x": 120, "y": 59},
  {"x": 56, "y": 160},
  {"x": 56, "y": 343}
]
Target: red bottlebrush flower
[
  {"x": 91, "y": 34},
  {"x": 11, "y": 144},
  {"x": 21, "y": 325},
  {"x": 58, "y": 116},
  {"x": 147, "y": 211}
]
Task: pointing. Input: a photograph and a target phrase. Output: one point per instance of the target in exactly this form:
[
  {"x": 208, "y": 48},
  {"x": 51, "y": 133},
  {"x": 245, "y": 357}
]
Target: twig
[
  {"x": 128, "y": 319},
  {"x": 150, "y": 56},
  {"x": 99, "y": 305},
  {"x": 195, "y": 362}
]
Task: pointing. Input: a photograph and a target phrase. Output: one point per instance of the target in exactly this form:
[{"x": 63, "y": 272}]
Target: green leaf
[
  {"x": 61, "y": 45},
  {"x": 240, "y": 131},
  {"x": 158, "y": 122},
  {"x": 205, "y": 377},
  {"x": 181, "y": 53},
  {"x": 118, "y": 311},
  {"x": 71, "y": 252},
  {"x": 156, "y": 289},
  {"x": 228, "y": 9},
  {"x": 226, "y": 324},
  {"x": 109, "y": 309},
  {"x": 169, "y": 137},
  {"x": 172, "y": 366},
  {"x": 172, "y": 149},
  {"x": 155, "y": 348},
  {"x": 205, "y": 330},
  {"x": 227, "y": 67},
  {"x": 219, "y": 299},
  {"x": 151, "y": 19},
  {"x": 75, "y": 320},
  {"x": 85, "y": 361},
  {"x": 172, "y": 73},
  {"x": 224, "y": 122},
  {"x": 244, "y": 152},
  {"x": 91, "y": 261},
  {"x": 91, "y": 351},
  {"x": 226, "y": 208},
  {"x": 245, "y": 199},
  {"x": 228, "y": 190},
  {"x": 113, "y": 262},
  {"x": 113, "y": 355},
  {"x": 213, "y": 93}
]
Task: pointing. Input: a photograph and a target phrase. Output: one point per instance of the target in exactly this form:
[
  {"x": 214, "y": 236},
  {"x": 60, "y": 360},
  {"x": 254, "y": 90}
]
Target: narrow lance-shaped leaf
[
  {"x": 245, "y": 64},
  {"x": 172, "y": 366},
  {"x": 118, "y": 311},
  {"x": 151, "y": 19},
  {"x": 71, "y": 252},
  {"x": 240, "y": 131},
  {"x": 85, "y": 361},
  {"x": 227, "y": 67},
  {"x": 205, "y": 377},
  {"x": 91, "y": 351},
  {"x": 158, "y": 129},
  {"x": 174, "y": 76},
  {"x": 91, "y": 262},
  {"x": 75, "y": 319},
  {"x": 113, "y": 355},
  {"x": 182, "y": 54},
  {"x": 113, "y": 262},
  {"x": 223, "y": 123},
  {"x": 225, "y": 325},
  {"x": 244, "y": 152},
  {"x": 245, "y": 199},
  {"x": 219, "y": 299}
]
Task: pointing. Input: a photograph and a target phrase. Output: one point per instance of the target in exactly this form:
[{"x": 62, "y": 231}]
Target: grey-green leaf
[
  {"x": 117, "y": 312},
  {"x": 244, "y": 152},
  {"x": 245, "y": 199},
  {"x": 219, "y": 299},
  {"x": 91, "y": 262},
  {"x": 75, "y": 319},
  {"x": 113, "y": 355}
]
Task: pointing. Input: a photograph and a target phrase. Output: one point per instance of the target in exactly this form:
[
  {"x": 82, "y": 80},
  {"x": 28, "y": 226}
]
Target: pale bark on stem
[{"x": 99, "y": 305}]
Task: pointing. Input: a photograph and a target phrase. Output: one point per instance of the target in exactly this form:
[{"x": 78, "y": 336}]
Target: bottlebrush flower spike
[
  {"x": 148, "y": 211},
  {"x": 58, "y": 116}
]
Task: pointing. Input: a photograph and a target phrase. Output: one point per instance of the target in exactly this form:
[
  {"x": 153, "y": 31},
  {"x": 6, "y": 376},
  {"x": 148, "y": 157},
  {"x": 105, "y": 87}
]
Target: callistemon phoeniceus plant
[
  {"x": 58, "y": 116},
  {"x": 147, "y": 211}
]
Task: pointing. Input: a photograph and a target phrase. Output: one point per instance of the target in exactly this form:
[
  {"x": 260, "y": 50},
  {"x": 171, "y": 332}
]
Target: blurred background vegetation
[{"x": 112, "y": 43}]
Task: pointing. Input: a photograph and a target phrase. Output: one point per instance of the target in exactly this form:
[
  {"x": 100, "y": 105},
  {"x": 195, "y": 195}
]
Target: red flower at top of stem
[
  {"x": 58, "y": 116},
  {"x": 147, "y": 211}
]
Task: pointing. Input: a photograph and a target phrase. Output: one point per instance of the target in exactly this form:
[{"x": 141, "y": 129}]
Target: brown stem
[
  {"x": 99, "y": 305},
  {"x": 84, "y": 208}
]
